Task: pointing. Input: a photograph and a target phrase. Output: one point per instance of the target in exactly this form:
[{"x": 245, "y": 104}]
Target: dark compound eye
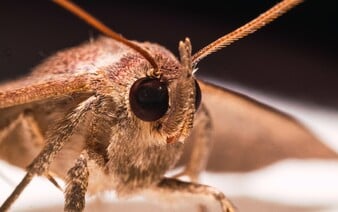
[
  {"x": 198, "y": 95},
  {"x": 149, "y": 99}
]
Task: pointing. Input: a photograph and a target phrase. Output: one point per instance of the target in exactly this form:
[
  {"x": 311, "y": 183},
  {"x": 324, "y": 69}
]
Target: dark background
[{"x": 295, "y": 56}]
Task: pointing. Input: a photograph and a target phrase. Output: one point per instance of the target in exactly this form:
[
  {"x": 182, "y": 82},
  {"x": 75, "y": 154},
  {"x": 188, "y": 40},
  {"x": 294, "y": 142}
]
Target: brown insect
[{"x": 114, "y": 114}]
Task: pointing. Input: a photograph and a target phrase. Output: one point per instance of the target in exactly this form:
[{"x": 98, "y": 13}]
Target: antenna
[
  {"x": 92, "y": 21},
  {"x": 245, "y": 30}
]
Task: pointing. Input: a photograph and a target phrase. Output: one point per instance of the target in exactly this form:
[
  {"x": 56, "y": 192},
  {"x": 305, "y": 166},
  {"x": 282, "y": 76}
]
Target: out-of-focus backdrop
[{"x": 290, "y": 64}]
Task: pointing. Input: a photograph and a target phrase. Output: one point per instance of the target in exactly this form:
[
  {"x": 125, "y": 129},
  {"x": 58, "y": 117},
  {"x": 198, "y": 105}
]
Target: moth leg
[
  {"x": 173, "y": 185},
  {"x": 27, "y": 144},
  {"x": 10, "y": 128},
  {"x": 95, "y": 150},
  {"x": 55, "y": 139},
  {"x": 77, "y": 182},
  {"x": 21, "y": 137},
  {"x": 201, "y": 136}
]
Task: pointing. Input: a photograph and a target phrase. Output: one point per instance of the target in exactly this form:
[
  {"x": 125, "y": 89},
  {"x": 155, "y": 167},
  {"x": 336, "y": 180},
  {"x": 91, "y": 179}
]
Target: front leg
[
  {"x": 77, "y": 183},
  {"x": 174, "y": 185},
  {"x": 56, "y": 138}
]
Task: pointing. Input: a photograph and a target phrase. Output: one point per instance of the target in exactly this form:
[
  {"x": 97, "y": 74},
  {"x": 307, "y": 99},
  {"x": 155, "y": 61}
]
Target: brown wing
[
  {"x": 249, "y": 135},
  {"x": 46, "y": 98},
  {"x": 37, "y": 88}
]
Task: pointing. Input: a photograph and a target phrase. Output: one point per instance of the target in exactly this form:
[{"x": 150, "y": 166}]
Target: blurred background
[{"x": 294, "y": 58}]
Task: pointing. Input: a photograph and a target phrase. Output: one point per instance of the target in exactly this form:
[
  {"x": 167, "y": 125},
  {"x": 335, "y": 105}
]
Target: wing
[
  {"x": 249, "y": 135},
  {"x": 29, "y": 105},
  {"x": 37, "y": 88},
  {"x": 74, "y": 70}
]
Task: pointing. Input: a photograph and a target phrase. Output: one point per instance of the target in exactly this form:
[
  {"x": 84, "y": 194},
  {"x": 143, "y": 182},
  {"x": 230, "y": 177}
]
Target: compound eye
[
  {"x": 198, "y": 95},
  {"x": 149, "y": 99}
]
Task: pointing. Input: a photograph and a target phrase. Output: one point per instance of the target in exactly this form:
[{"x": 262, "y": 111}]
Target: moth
[{"x": 115, "y": 114}]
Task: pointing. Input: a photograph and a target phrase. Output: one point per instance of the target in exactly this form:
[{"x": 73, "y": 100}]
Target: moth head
[
  {"x": 168, "y": 101},
  {"x": 170, "y": 105}
]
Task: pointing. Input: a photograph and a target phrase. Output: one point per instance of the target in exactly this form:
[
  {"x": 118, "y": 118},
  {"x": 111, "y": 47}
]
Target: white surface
[{"x": 312, "y": 183}]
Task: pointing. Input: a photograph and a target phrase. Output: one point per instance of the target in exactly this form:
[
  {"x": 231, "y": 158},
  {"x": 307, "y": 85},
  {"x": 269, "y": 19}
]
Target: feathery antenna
[
  {"x": 92, "y": 21},
  {"x": 245, "y": 30}
]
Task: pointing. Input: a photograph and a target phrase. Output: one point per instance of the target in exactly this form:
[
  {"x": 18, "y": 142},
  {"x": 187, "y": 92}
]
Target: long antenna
[
  {"x": 246, "y": 29},
  {"x": 92, "y": 21}
]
